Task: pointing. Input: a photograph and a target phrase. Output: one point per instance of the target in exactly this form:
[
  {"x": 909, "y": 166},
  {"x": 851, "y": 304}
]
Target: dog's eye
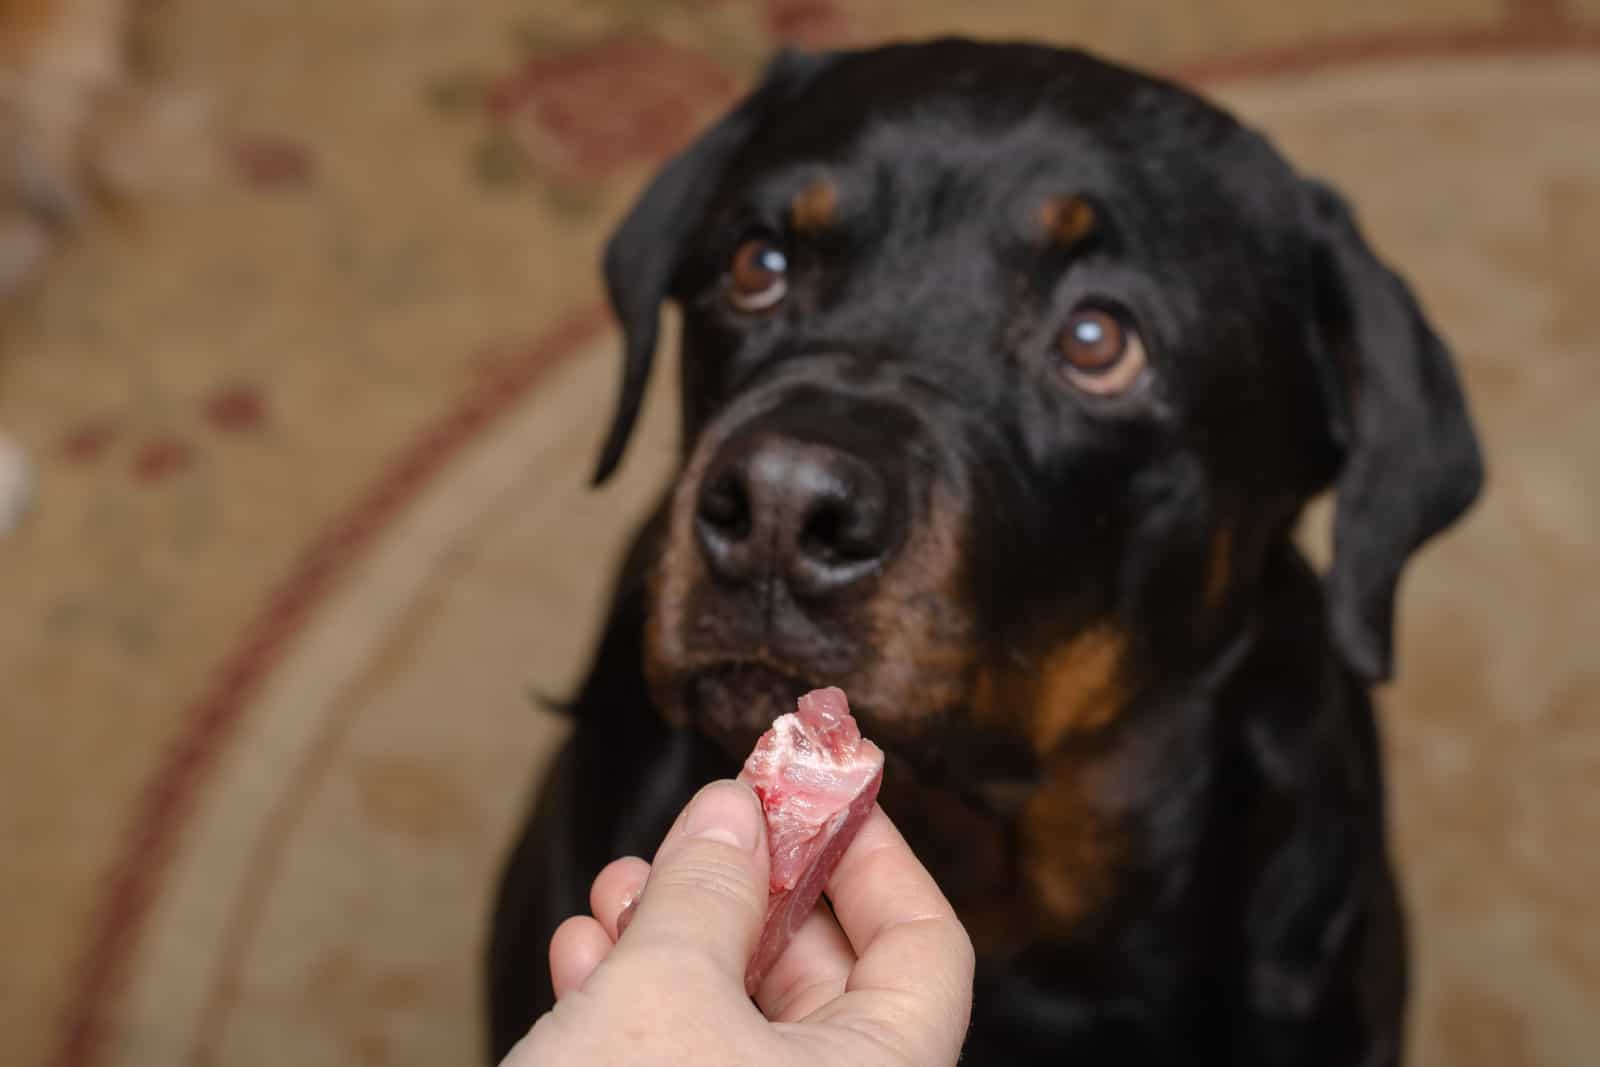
[
  {"x": 1103, "y": 354},
  {"x": 758, "y": 277}
]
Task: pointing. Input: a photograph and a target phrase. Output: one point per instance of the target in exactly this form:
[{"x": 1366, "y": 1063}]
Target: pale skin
[{"x": 884, "y": 980}]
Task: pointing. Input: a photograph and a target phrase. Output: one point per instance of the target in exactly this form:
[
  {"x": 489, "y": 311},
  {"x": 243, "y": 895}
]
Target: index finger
[{"x": 905, "y": 933}]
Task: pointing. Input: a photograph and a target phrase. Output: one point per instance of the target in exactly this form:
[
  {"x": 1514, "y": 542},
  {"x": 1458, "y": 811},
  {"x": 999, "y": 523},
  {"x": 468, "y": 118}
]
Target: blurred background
[{"x": 302, "y": 340}]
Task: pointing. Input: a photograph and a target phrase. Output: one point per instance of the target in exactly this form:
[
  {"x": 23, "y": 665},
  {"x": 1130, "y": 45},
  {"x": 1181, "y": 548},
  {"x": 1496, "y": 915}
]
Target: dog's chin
[{"x": 733, "y": 704}]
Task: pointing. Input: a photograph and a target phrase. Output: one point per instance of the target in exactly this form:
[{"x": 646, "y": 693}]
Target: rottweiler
[{"x": 1006, "y": 376}]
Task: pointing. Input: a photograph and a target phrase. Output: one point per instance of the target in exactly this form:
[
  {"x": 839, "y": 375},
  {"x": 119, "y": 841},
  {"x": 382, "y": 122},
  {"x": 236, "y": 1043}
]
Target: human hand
[{"x": 886, "y": 984}]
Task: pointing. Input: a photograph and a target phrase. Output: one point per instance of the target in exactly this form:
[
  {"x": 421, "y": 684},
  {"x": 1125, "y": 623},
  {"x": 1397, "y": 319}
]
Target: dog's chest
[{"x": 1012, "y": 882}]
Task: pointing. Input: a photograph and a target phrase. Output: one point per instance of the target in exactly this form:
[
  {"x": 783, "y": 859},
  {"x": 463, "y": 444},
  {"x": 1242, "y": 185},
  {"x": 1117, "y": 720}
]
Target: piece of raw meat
[{"x": 817, "y": 779}]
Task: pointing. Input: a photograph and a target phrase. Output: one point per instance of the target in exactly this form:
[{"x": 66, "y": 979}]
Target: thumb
[{"x": 707, "y": 891}]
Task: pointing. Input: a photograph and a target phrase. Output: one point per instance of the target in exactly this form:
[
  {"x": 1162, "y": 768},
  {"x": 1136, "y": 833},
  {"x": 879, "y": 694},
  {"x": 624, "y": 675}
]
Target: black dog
[{"x": 1006, "y": 376}]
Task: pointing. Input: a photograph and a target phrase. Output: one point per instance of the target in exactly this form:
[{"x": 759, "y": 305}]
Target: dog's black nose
[{"x": 812, "y": 516}]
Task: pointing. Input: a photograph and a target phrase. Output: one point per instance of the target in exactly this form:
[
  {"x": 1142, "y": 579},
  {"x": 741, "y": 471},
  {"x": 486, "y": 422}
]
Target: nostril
[
  {"x": 725, "y": 507},
  {"x": 843, "y": 530},
  {"x": 819, "y": 537}
]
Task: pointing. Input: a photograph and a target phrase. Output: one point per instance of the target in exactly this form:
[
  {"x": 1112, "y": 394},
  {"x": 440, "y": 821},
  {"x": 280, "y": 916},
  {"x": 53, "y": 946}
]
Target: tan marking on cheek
[
  {"x": 1070, "y": 852},
  {"x": 1219, "y": 574},
  {"x": 924, "y": 650},
  {"x": 672, "y": 580},
  {"x": 1066, "y": 220},
  {"x": 1079, "y": 687},
  {"x": 816, "y": 207}
]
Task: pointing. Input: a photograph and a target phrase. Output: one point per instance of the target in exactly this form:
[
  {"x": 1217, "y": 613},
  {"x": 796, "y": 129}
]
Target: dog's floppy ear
[
  {"x": 646, "y": 251},
  {"x": 1411, "y": 465}
]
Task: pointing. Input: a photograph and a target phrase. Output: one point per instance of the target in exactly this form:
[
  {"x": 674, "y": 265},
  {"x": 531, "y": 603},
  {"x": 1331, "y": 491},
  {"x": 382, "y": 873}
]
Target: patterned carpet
[{"x": 311, "y": 525}]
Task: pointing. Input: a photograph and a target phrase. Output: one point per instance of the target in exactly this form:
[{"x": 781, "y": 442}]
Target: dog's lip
[
  {"x": 750, "y": 676},
  {"x": 734, "y": 701}
]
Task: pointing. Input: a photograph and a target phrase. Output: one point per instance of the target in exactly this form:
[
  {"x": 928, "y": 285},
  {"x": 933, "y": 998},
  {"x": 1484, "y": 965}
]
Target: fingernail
[{"x": 724, "y": 812}]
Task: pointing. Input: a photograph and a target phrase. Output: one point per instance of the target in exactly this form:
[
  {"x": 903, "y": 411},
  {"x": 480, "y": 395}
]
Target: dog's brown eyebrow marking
[
  {"x": 815, "y": 207},
  {"x": 1066, "y": 220}
]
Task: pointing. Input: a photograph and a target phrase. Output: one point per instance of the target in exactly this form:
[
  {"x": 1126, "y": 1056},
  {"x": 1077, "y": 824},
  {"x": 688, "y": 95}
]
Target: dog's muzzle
[{"x": 790, "y": 536}]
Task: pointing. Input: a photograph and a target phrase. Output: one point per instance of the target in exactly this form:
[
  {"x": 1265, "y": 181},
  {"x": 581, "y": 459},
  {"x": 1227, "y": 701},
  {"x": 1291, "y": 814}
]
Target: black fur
[{"x": 1255, "y": 918}]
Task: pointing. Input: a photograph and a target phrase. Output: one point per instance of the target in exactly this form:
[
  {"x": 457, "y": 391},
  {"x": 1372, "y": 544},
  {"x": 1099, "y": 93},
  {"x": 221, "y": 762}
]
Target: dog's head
[{"x": 1005, "y": 371}]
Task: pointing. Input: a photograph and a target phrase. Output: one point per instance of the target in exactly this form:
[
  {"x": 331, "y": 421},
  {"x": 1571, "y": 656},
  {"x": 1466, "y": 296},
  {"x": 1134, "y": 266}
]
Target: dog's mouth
[{"x": 733, "y": 704}]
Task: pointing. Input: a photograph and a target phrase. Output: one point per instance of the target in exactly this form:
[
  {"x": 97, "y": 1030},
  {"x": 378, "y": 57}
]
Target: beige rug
[{"x": 312, "y": 524}]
